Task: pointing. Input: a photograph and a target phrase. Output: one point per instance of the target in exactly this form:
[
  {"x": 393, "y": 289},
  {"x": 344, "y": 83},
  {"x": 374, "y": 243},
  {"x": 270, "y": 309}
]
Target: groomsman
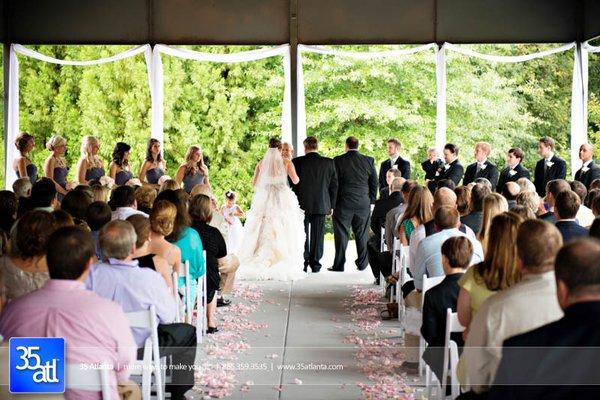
[
  {"x": 589, "y": 170},
  {"x": 482, "y": 167},
  {"x": 550, "y": 167},
  {"x": 451, "y": 169},
  {"x": 316, "y": 193},
  {"x": 393, "y": 148},
  {"x": 513, "y": 170},
  {"x": 357, "y": 190}
]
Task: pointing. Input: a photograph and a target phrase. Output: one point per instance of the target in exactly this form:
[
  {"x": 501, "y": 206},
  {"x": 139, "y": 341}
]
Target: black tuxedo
[
  {"x": 431, "y": 168},
  {"x": 377, "y": 260},
  {"x": 454, "y": 172},
  {"x": 357, "y": 190},
  {"x": 505, "y": 176},
  {"x": 543, "y": 174},
  {"x": 588, "y": 177},
  {"x": 570, "y": 230},
  {"x": 490, "y": 172},
  {"x": 559, "y": 360},
  {"x": 402, "y": 164},
  {"x": 316, "y": 192},
  {"x": 437, "y": 300}
]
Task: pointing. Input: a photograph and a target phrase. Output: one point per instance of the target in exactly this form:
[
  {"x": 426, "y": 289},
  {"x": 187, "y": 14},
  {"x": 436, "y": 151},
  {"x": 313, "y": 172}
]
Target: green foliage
[{"x": 232, "y": 109}]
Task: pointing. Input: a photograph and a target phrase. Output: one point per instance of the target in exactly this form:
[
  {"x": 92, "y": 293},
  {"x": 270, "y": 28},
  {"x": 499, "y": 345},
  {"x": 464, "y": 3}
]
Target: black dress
[
  {"x": 146, "y": 261},
  {"x": 215, "y": 247}
]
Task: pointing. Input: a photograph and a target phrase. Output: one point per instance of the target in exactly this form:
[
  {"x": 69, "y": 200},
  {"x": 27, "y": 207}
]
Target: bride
[{"x": 273, "y": 243}]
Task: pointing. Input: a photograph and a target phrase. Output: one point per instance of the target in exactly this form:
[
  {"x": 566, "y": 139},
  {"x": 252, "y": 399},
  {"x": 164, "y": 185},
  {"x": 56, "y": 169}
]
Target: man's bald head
[
  {"x": 444, "y": 197},
  {"x": 586, "y": 152}
]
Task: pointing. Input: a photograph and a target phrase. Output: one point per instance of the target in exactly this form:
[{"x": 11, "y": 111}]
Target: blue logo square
[{"x": 36, "y": 365}]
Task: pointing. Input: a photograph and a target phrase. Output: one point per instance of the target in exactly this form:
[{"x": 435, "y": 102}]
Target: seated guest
[
  {"x": 24, "y": 269},
  {"x": 510, "y": 192},
  {"x": 418, "y": 211},
  {"x": 142, "y": 254},
  {"x": 444, "y": 183},
  {"x": 8, "y": 211},
  {"x": 526, "y": 305},
  {"x": 220, "y": 268},
  {"x": 595, "y": 184},
  {"x": 381, "y": 262},
  {"x": 43, "y": 196},
  {"x": 122, "y": 201},
  {"x": 392, "y": 218},
  {"x": 493, "y": 204},
  {"x": 390, "y": 175},
  {"x": 530, "y": 200},
  {"x": 595, "y": 228},
  {"x": 169, "y": 184},
  {"x": 119, "y": 169},
  {"x": 589, "y": 199},
  {"x": 22, "y": 187},
  {"x": 553, "y": 188},
  {"x": 87, "y": 190},
  {"x": 498, "y": 271},
  {"x": 482, "y": 167},
  {"x": 473, "y": 219},
  {"x": 566, "y": 206},
  {"x": 558, "y": 360},
  {"x": 526, "y": 185},
  {"x": 144, "y": 197},
  {"x": 456, "y": 257},
  {"x": 524, "y": 212},
  {"x": 76, "y": 204},
  {"x": 463, "y": 200},
  {"x": 97, "y": 215},
  {"x": 95, "y": 329},
  {"x": 514, "y": 170},
  {"x": 584, "y": 216},
  {"x": 63, "y": 218},
  {"x": 162, "y": 221},
  {"x": 100, "y": 192},
  {"x": 429, "y": 262},
  {"x": 122, "y": 280},
  {"x": 596, "y": 206}
]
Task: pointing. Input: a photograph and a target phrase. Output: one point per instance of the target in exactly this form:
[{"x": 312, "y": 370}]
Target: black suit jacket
[
  {"x": 557, "y": 171},
  {"x": 357, "y": 181},
  {"x": 431, "y": 168},
  {"x": 437, "y": 300},
  {"x": 382, "y": 206},
  {"x": 570, "y": 230},
  {"x": 534, "y": 364},
  {"x": 490, "y": 172},
  {"x": 317, "y": 189},
  {"x": 473, "y": 220},
  {"x": 402, "y": 164},
  {"x": 519, "y": 172},
  {"x": 454, "y": 172},
  {"x": 588, "y": 177}
]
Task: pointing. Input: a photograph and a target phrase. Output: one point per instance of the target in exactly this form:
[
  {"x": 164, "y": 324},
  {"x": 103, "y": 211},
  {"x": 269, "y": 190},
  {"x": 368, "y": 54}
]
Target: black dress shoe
[
  {"x": 315, "y": 270},
  {"x": 334, "y": 269},
  {"x": 376, "y": 283},
  {"x": 221, "y": 302},
  {"x": 212, "y": 330}
]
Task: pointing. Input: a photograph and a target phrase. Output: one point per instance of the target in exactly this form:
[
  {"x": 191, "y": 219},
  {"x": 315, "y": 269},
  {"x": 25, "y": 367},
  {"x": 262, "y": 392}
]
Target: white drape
[
  {"x": 13, "y": 96},
  {"x": 440, "y": 118},
  {"x": 349, "y": 54},
  {"x": 246, "y": 56},
  {"x": 508, "y": 59}
]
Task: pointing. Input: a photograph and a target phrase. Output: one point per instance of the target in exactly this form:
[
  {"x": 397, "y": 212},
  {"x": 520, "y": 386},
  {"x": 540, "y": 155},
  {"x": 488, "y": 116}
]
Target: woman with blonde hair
[
  {"x": 100, "y": 192},
  {"x": 493, "y": 204},
  {"x": 169, "y": 184},
  {"x": 55, "y": 166},
  {"x": 498, "y": 271},
  {"x": 526, "y": 185},
  {"x": 418, "y": 211},
  {"x": 89, "y": 167},
  {"x": 193, "y": 172},
  {"x": 162, "y": 221},
  {"x": 22, "y": 165},
  {"x": 531, "y": 200}
]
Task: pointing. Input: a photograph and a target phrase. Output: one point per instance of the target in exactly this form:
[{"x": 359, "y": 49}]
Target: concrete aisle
[{"x": 303, "y": 339}]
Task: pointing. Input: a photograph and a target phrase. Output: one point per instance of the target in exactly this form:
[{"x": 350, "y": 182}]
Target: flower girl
[{"x": 232, "y": 214}]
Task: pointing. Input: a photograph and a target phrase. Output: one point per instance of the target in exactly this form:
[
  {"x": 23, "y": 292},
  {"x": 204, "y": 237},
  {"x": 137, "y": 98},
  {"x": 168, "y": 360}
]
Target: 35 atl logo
[{"x": 37, "y": 365}]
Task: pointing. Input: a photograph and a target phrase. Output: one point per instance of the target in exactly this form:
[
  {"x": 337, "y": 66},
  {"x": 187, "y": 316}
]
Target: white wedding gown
[{"x": 273, "y": 238}]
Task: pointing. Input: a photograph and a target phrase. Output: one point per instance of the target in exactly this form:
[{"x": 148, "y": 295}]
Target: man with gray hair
[
  {"x": 121, "y": 280},
  {"x": 22, "y": 187}
]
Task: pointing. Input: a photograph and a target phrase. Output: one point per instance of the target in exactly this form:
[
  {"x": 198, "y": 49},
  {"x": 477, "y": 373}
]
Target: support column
[
  {"x": 6, "y": 76},
  {"x": 440, "y": 76},
  {"x": 579, "y": 100},
  {"x": 294, "y": 78}
]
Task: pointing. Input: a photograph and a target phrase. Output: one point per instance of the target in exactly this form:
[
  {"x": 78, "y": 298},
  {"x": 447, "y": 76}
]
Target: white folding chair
[
  {"x": 188, "y": 292},
  {"x": 80, "y": 377},
  {"x": 402, "y": 261},
  {"x": 151, "y": 363},
  {"x": 451, "y": 354},
  {"x": 179, "y": 316},
  {"x": 428, "y": 283},
  {"x": 201, "y": 298},
  {"x": 383, "y": 245}
]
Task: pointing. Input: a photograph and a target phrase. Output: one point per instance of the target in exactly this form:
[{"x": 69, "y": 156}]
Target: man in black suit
[
  {"x": 393, "y": 148},
  {"x": 357, "y": 190},
  {"x": 589, "y": 170},
  {"x": 456, "y": 257},
  {"x": 559, "y": 360},
  {"x": 550, "y": 167},
  {"x": 378, "y": 260},
  {"x": 513, "y": 170},
  {"x": 316, "y": 193},
  {"x": 452, "y": 169},
  {"x": 482, "y": 167},
  {"x": 566, "y": 207}
]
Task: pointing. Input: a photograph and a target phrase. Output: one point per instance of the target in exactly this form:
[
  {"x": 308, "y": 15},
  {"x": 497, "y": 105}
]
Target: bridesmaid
[
  {"x": 55, "y": 166},
  {"x": 154, "y": 166},
  {"x": 119, "y": 166},
  {"x": 193, "y": 172},
  {"x": 89, "y": 167},
  {"x": 22, "y": 165}
]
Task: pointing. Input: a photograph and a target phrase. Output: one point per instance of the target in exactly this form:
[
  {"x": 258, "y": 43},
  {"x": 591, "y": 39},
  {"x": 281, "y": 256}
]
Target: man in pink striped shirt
[{"x": 95, "y": 329}]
